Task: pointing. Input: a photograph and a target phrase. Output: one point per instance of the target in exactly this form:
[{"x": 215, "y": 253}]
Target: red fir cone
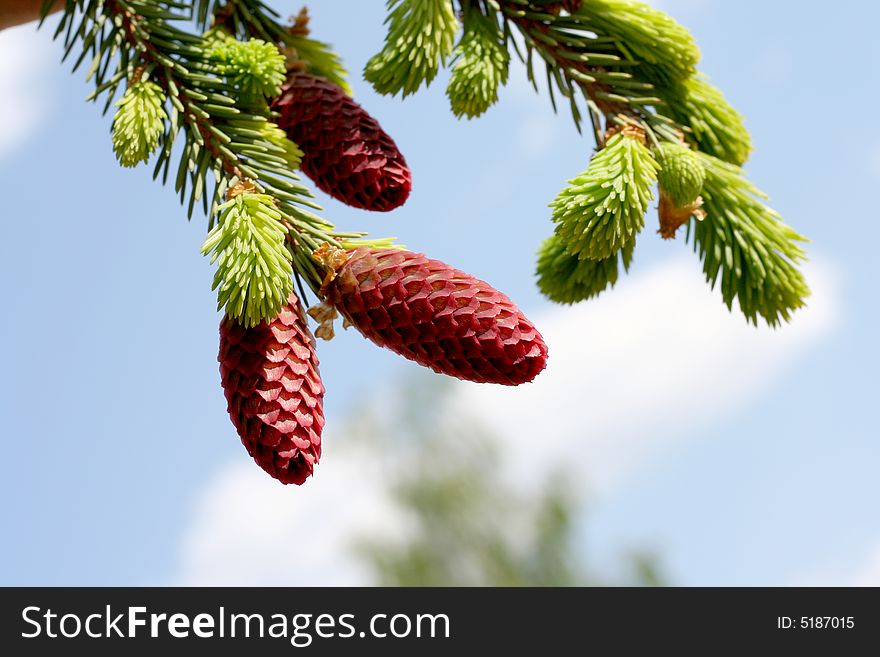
[
  {"x": 347, "y": 153},
  {"x": 437, "y": 316},
  {"x": 275, "y": 395}
]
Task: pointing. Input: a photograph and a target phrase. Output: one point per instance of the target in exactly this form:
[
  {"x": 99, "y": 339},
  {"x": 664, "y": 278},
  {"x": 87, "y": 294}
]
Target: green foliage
[
  {"x": 743, "y": 242},
  {"x": 716, "y": 127},
  {"x": 253, "y": 18},
  {"x": 467, "y": 524},
  {"x": 284, "y": 147},
  {"x": 633, "y": 65},
  {"x": 681, "y": 174},
  {"x": 420, "y": 38},
  {"x": 320, "y": 60},
  {"x": 220, "y": 141},
  {"x": 666, "y": 51},
  {"x": 139, "y": 122},
  {"x": 241, "y": 18},
  {"x": 256, "y": 69},
  {"x": 469, "y": 527},
  {"x": 198, "y": 101},
  {"x": 480, "y": 66},
  {"x": 216, "y": 37},
  {"x": 603, "y": 209},
  {"x": 217, "y": 129},
  {"x": 254, "y": 274},
  {"x": 565, "y": 278},
  {"x": 582, "y": 63}
]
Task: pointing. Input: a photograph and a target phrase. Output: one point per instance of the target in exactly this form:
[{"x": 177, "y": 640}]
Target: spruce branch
[
  {"x": 565, "y": 278},
  {"x": 254, "y": 272},
  {"x": 666, "y": 51},
  {"x": 480, "y": 65},
  {"x": 204, "y": 107},
  {"x": 255, "y": 68},
  {"x": 420, "y": 38},
  {"x": 744, "y": 242},
  {"x": 285, "y": 149},
  {"x": 241, "y": 18},
  {"x": 202, "y": 98},
  {"x": 636, "y": 66},
  {"x": 139, "y": 122},
  {"x": 708, "y": 120},
  {"x": 582, "y": 60},
  {"x": 254, "y": 19},
  {"x": 603, "y": 209},
  {"x": 205, "y": 98}
]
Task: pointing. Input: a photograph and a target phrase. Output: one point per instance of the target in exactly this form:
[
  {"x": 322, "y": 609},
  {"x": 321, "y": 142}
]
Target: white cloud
[
  {"x": 866, "y": 573},
  {"x": 24, "y": 57},
  {"x": 247, "y": 529},
  {"x": 629, "y": 373},
  {"x": 642, "y": 367}
]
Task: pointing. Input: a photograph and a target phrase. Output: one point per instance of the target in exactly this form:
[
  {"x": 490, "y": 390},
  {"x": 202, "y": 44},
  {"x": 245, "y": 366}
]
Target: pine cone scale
[
  {"x": 274, "y": 392},
  {"x": 437, "y": 316},
  {"x": 346, "y": 152}
]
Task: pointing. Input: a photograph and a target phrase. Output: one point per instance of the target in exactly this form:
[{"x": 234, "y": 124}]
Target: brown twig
[{"x": 16, "y": 12}]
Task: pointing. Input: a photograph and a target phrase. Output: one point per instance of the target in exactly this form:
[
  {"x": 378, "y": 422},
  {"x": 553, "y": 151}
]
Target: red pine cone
[
  {"x": 275, "y": 395},
  {"x": 438, "y": 316},
  {"x": 347, "y": 153}
]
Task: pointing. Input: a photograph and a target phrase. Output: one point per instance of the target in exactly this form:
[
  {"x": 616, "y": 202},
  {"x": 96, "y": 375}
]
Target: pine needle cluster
[
  {"x": 603, "y": 209},
  {"x": 196, "y": 104}
]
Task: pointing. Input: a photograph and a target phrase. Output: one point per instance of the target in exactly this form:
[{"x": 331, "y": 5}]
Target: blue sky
[{"x": 121, "y": 466}]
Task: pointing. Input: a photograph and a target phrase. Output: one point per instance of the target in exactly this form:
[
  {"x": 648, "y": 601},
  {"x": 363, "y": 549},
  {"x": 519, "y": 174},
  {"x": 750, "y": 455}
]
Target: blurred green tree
[{"x": 468, "y": 523}]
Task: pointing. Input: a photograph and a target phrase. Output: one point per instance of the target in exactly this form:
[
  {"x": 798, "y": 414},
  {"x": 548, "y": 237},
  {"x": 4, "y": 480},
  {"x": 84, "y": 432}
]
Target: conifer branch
[
  {"x": 209, "y": 92},
  {"x": 603, "y": 209},
  {"x": 254, "y": 19},
  {"x": 744, "y": 244},
  {"x": 420, "y": 38},
  {"x": 580, "y": 54},
  {"x": 207, "y": 98},
  {"x": 566, "y": 278}
]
